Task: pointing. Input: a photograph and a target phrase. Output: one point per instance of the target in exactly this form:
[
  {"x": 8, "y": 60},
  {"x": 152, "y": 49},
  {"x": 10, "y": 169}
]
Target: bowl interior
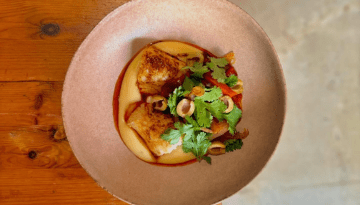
[{"x": 216, "y": 25}]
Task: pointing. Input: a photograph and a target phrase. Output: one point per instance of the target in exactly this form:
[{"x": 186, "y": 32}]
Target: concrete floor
[{"x": 318, "y": 158}]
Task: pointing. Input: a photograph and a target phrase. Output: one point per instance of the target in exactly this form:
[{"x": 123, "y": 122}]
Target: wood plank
[
  {"x": 46, "y": 60},
  {"x": 30, "y": 103},
  {"x": 38, "y": 38},
  {"x": 44, "y": 147},
  {"x": 51, "y": 186}
]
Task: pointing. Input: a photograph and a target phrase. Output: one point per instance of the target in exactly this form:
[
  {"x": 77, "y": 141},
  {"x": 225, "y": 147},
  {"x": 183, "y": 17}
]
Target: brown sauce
[{"x": 168, "y": 88}]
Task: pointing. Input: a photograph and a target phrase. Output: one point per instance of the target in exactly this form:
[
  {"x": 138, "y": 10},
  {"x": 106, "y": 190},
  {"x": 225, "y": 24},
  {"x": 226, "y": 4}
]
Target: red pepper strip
[
  {"x": 237, "y": 99},
  {"x": 231, "y": 71},
  {"x": 226, "y": 90}
]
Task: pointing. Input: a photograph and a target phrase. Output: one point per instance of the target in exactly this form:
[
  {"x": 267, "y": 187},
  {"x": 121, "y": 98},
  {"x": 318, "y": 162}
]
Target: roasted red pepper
[
  {"x": 237, "y": 99},
  {"x": 226, "y": 90},
  {"x": 231, "y": 71}
]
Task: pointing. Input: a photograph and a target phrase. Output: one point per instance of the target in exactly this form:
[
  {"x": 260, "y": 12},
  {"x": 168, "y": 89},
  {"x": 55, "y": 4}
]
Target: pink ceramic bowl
[{"x": 216, "y": 25}]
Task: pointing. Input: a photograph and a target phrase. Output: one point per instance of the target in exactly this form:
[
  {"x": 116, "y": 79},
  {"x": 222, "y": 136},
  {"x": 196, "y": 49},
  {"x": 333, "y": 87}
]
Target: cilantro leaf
[
  {"x": 231, "y": 80},
  {"x": 171, "y": 135},
  {"x": 188, "y": 131},
  {"x": 211, "y": 94},
  {"x": 217, "y": 66},
  {"x": 188, "y": 84},
  {"x": 232, "y": 118},
  {"x": 174, "y": 98},
  {"x": 233, "y": 144},
  {"x": 219, "y": 74},
  {"x": 220, "y": 62},
  {"x": 197, "y": 145},
  {"x": 202, "y": 116},
  {"x": 187, "y": 146},
  {"x": 217, "y": 108},
  {"x": 196, "y": 80},
  {"x": 207, "y": 159},
  {"x": 198, "y": 69},
  {"x": 191, "y": 121},
  {"x": 194, "y": 141}
]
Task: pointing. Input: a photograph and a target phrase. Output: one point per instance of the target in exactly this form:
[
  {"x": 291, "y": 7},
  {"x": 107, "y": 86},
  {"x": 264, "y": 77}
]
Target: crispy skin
[
  {"x": 150, "y": 124},
  {"x": 156, "y": 69}
]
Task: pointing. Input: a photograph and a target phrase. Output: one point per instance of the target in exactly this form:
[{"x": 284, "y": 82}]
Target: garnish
[
  {"x": 198, "y": 69},
  {"x": 172, "y": 135},
  {"x": 233, "y": 144},
  {"x": 202, "y": 116},
  {"x": 174, "y": 99},
  {"x": 197, "y": 145},
  {"x": 211, "y": 94},
  {"x": 231, "y": 80},
  {"x": 217, "y": 108},
  {"x": 233, "y": 118},
  {"x": 207, "y": 106},
  {"x": 188, "y": 84},
  {"x": 194, "y": 141},
  {"x": 217, "y": 66},
  {"x": 226, "y": 90}
]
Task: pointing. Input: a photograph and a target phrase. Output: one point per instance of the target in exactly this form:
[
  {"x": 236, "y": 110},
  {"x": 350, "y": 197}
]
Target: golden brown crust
[
  {"x": 150, "y": 124},
  {"x": 157, "y": 68}
]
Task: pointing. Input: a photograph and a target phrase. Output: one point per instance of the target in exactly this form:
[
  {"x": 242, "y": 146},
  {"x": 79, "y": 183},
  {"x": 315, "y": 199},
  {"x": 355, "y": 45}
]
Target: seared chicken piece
[
  {"x": 150, "y": 124},
  {"x": 157, "y": 68}
]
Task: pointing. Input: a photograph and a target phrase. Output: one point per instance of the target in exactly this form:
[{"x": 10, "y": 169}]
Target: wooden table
[{"x": 37, "y": 41}]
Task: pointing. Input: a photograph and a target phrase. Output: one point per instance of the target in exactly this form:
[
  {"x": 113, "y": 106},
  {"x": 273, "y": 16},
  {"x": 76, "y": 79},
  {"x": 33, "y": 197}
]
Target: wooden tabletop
[{"x": 38, "y": 39}]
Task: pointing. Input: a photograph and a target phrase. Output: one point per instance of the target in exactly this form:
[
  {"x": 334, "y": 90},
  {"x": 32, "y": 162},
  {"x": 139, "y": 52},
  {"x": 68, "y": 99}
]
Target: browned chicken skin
[
  {"x": 150, "y": 124},
  {"x": 157, "y": 68}
]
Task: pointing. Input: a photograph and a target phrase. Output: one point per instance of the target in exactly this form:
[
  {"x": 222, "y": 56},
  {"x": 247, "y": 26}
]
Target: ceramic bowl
[{"x": 216, "y": 25}]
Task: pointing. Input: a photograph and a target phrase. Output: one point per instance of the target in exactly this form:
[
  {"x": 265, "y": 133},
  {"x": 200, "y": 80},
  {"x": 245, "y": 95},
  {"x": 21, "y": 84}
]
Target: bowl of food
[{"x": 174, "y": 102}]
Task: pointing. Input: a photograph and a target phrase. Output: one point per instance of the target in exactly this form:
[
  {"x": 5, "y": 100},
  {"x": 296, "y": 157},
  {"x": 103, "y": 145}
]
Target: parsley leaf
[
  {"x": 198, "y": 69},
  {"x": 174, "y": 98},
  {"x": 217, "y": 108},
  {"x": 211, "y": 94},
  {"x": 232, "y": 118},
  {"x": 231, "y": 80},
  {"x": 171, "y": 135},
  {"x": 233, "y": 144},
  {"x": 202, "y": 116}
]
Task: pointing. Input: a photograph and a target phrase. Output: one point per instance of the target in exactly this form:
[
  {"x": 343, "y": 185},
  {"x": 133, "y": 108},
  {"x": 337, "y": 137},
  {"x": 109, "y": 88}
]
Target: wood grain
[
  {"x": 38, "y": 39},
  {"x": 27, "y": 53}
]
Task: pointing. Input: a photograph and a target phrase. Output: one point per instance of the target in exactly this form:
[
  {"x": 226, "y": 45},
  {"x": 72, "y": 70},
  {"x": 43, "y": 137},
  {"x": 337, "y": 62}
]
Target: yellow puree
[{"x": 129, "y": 93}]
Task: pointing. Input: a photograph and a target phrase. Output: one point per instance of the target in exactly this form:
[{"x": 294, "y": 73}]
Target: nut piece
[
  {"x": 159, "y": 102},
  {"x": 185, "y": 108},
  {"x": 207, "y": 130},
  {"x": 238, "y": 87},
  {"x": 228, "y": 102},
  {"x": 217, "y": 148},
  {"x": 198, "y": 91}
]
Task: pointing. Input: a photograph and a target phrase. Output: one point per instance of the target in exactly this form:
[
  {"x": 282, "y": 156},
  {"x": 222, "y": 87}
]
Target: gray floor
[{"x": 318, "y": 158}]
